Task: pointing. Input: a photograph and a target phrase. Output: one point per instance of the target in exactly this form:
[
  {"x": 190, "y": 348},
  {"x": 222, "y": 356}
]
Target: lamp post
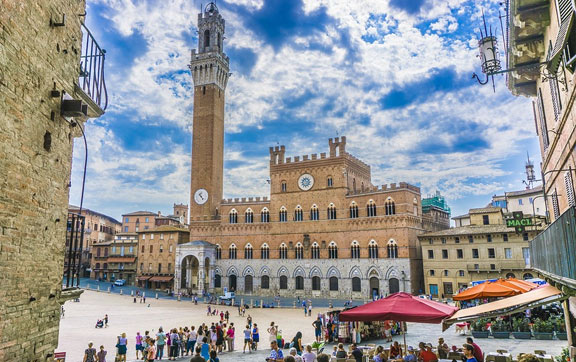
[
  {"x": 534, "y": 210},
  {"x": 569, "y": 169}
]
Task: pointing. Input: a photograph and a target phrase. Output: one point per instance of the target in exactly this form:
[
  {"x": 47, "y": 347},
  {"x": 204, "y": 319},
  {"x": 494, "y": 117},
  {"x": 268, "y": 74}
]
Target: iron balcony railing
[
  {"x": 553, "y": 251},
  {"x": 92, "y": 79},
  {"x": 74, "y": 242}
]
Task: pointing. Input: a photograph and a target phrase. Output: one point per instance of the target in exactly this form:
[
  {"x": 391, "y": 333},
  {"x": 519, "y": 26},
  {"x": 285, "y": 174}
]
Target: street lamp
[{"x": 569, "y": 169}]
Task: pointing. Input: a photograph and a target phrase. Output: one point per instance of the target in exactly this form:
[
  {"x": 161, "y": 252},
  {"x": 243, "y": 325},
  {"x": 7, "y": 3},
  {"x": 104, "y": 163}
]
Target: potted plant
[
  {"x": 561, "y": 329},
  {"x": 500, "y": 329},
  {"x": 479, "y": 329},
  {"x": 565, "y": 356},
  {"x": 521, "y": 328},
  {"x": 543, "y": 329}
]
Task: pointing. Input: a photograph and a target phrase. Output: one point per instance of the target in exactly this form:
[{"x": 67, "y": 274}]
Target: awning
[
  {"x": 555, "y": 55},
  {"x": 532, "y": 299},
  {"x": 161, "y": 279},
  {"x": 143, "y": 278},
  {"x": 121, "y": 260}
]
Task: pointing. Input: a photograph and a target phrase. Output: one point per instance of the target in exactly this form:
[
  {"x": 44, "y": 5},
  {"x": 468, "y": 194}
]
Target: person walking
[
  {"x": 90, "y": 353},
  {"x": 160, "y": 343},
  {"x": 105, "y": 320},
  {"x": 227, "y": 316},
  {"x": 101, "y": 355},
  {"x": 249, "y": 320},
  {"x": 139, "y": 347},
  {"x": 255, "y": 336},
  {"x": 122, "y": 347}
]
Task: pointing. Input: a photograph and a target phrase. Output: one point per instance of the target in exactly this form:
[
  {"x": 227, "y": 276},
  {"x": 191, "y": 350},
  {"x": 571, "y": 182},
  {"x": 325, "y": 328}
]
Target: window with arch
[
  {"x": 218, "y": 252},
  {"x": 331, "y": 212},
  {"x": 355, "y": 250},
  {"x": 298, "y": 215},
  {"x": 217, "y": 281},
  {"x": 299, "y": 283},
  {"x": 299, "y": 251},
  {"x": 233, "y": 216},
  {"x": 283, "y": 251},
  {"x": 283, "y": 214},
  {"x": 314, "y": 214},
  {"x": 264, "y": 215},
  {"x": 315, "y": 283},
  {"x": 249, "y": 216},
  {"x": 248, "y": 251},
  {"x": 371, "y": 208},
  {"x": 333, "y": 284},
  {"x": 283, "y": 186},
  {"x": 392, "y": 249},
  {"x": 373, "y": 249},
  {"x": 356, "y": 284},
  {"x": 232, "y": 252},
  {"x": 332, "y": 251},
  {"x": 445, "y": 273},
  {"x": 206, "y": 38},
  {"x": 353, "y": 210},
  {"x": 461, "y": 273},
  {"x": 390, "y": 207},
  {"x": 264, "y": 251},
  {"x": 265, "y": 282},
  {"x": 329, "y": 181},
  {"x": 283, "y": 282},
  {"x": 315, "y": 251}
]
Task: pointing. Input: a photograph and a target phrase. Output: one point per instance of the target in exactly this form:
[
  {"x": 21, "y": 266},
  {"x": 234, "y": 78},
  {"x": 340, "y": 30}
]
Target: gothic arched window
[
  {"x": 299, "y": 251},
  {"x": 233, "y": 216},
  {"x": 355, "y": 250},
  {"x": 249, "y": 216},
  {"x": 232, "y": 252},
  {"x": 331, "y": 212},
  {"x": 283, "y": 251},
  {"x": 298, "y": 215},
  {"x": 264, "y": 251},
  {"x": 353, "y": 210},
  {"x": 333, "y": 250},
  {"x": 218, "y": 252},
  {"x": 390, "y": 207},
  {"x": 248, "y": 251},
  {"x": 315, "y": 251},
  {"x": 264, "y": 215},
  {"x": 371, "y": 208},
  {"x": 314, "y": 215},
  {"x": 283, "y": 214},
  {"x": 392, "y": 249},
  {"x": 373, "y": 249},
  {"x": 206, "y": 38}
]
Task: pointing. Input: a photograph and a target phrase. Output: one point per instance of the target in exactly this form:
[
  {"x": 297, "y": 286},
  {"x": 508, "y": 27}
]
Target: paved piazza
[{"x": 77, "y": 328}]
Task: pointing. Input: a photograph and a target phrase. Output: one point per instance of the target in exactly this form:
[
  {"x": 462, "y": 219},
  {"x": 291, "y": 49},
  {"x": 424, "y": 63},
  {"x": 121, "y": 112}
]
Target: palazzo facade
[{"x": 325, "y": 229}]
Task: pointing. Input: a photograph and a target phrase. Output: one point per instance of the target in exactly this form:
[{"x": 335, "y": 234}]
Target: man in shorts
[{"x": 317, "y": 324}]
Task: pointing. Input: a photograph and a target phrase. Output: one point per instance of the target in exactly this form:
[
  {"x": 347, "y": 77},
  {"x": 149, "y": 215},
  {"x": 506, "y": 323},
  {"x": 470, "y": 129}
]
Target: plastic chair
[{"x": 540, "y": 352}]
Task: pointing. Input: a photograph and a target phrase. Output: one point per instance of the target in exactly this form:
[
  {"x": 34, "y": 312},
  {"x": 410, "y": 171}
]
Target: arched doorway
[
  {"x": 393, "y": 285},
  {"x": 527, "y": 276},
  {"x": 510, "y": 275},
  {"x": 283, "y": 282},
  {"x": 315, "y": 283},
  {"x": 232, "y": 283},
  {"x": 299, "y": 283},
  {"x": 189, "y": 277},
  {"x": 374, "y": 287},
  {"x": 248, "y": 284}
]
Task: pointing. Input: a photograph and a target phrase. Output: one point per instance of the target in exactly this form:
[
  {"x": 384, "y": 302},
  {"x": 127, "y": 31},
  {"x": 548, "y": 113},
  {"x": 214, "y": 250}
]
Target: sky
[{"x": 393, "y": 76}]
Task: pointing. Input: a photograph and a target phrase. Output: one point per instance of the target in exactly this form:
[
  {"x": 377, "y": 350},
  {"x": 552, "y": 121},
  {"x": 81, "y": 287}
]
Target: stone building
[
  {"x": 325, "y": 229},
  {"x": 139, "y": 220},
  {"x": 157, "y": 255},
  {"x": 41, "y": 45},
  {"x": 98, "y": 228},
  {"x": 482, "y": 248},
  {"x": 122, "y": 258}
]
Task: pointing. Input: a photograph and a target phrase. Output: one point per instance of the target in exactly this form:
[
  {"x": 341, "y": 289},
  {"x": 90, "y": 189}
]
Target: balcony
[
  {"x": 552, "y": 252},
  {"x": 91, "y": 87}
]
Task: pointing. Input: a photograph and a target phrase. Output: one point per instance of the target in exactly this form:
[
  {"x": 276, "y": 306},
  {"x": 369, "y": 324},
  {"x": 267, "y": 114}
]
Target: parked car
[
  {"x": 120, "y": 282},
  {"x": 227, "y": 296}
]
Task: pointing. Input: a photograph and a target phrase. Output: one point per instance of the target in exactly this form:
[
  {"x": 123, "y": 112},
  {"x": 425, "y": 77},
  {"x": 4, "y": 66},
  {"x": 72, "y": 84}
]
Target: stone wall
[{"x": 36, "y": 147}]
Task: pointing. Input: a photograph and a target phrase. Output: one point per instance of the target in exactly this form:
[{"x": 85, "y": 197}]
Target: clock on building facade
[{"x": 305, "y": 182}]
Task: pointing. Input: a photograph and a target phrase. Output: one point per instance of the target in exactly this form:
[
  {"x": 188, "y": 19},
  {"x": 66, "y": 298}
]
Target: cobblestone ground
[{"x": 77, "y": 328}]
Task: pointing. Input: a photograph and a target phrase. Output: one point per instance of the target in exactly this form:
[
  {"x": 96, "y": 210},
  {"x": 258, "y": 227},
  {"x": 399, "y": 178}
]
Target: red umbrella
[{"x": 402, "y": 307}]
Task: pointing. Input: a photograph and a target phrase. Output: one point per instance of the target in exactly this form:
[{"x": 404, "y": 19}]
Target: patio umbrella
[
  {"x": 488, "y": 290},
  {"x": 403, "y": 307},
  {"x": 521, "y": 284}
]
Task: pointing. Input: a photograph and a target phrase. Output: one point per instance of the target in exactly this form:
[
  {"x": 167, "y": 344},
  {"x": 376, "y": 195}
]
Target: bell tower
[{"x": 210, "y": 71}]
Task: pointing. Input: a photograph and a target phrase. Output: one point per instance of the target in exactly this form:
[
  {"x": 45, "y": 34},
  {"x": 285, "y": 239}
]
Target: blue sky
[{"x": 393, "y": 76}]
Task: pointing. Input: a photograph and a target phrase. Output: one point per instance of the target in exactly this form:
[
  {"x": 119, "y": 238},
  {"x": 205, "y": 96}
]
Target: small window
[
  {"x": 443, "y": 240},
  {"x": 460, "y": 273},
  {"x": 283, "y": 251},
  {"x": 171, "y": 248},
  {"x": 491, "y": 253},
  {"x": 329, "y": 182},
  {"x": 485, "y": 219},
  {"x": 470, "y": 239},
  {"x": 430, "y": 241},
  {"x": 457, "y": 240},
  {"x": 446, "y": 273},
  {"x": 430, "y": 254},
  {"x": 444, "y": 254},
  {"x": 508, "y": 253},
  {"x": 492, "y": 266},
  {"x": 161, "y": 248},
  {"x": 151, "y": 248},
  {"x": 460, "y": 253},
  {"x": 126, "y": 220},
  {"x": 265, "y": 282},
  {"x": 432, "y": 273},
  {"x": 475, "y": 254},
  {"x": 283, "y": 186},
  {"x": 489, "y": 238},
  {"x": 505, "y": 237},
  {"x": 332, "y": 251},
  {"x": 525, "y": 236},
  {"x": 519, "y": 201}
]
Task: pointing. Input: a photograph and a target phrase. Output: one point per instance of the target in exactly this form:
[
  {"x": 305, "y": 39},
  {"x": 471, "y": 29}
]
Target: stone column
[
  {"x": 177, "y": 274},
  {"x": 201, "y": 276},
  {"x": 189, "y": 273}
]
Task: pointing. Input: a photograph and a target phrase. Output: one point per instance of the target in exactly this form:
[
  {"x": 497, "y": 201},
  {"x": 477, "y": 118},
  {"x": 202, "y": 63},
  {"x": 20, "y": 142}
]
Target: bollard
[
  {"x": 261, "y": 303},
  {"x": 121, "y": 292},
  {"x": 251, "y": 303},
  {"x": 156, "y": 295},
  {"x": 98, "y": 290},
  {"x": 108, "y": 289},
  {"x": 294, "y": 304},
  {"x": 131, "y": 293},
  {"x": 242, "y": 301}
]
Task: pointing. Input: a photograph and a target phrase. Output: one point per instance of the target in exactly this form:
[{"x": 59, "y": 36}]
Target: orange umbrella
[
  {"x": 488, "y": 290},
  {"x": 524, "y": 286}
]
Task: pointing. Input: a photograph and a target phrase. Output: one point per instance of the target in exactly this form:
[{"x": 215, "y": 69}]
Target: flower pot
[
  {"x": 563, "y": 336},
  {"x": 543, "y": 335},
  {"x": 501, "y": 335},
  {"x": 522, "y": 335},
  {"x": 480, "y": 334}
]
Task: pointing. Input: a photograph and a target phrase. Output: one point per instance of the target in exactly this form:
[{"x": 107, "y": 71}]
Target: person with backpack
[{"x": 174, "y": 343}]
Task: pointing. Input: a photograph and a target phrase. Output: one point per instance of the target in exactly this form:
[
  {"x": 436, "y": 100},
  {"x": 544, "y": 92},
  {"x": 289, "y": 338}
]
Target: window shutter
[
  {"x": 569, "y": 188},
  {"x": 555, "y": 205},
  {"x": 542, "y": 117}
]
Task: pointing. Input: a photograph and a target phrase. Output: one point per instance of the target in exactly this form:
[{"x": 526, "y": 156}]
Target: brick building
[
  {"x": 480, "y": 247},
  {"x": 40, "y": 82},
  {"x": 324, "y": 230},
  {"x": 156, "y": 256}
]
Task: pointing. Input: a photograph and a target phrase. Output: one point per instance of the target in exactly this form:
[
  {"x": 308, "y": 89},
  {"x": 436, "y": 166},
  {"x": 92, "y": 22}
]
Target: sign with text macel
[{"x": 519, "y": 222}]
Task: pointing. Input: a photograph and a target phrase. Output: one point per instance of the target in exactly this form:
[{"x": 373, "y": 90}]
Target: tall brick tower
[{"x": 210, "y": 73}]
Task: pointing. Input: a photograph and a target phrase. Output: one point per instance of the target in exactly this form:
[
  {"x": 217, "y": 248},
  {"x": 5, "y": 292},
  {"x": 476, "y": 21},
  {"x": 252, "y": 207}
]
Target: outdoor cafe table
[{"x": 498, "y": 357}]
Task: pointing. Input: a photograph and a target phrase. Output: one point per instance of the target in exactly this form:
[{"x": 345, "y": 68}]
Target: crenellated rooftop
[
  {"x": 246, "y": 200},
  {"x": 385, "y": 188}
]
